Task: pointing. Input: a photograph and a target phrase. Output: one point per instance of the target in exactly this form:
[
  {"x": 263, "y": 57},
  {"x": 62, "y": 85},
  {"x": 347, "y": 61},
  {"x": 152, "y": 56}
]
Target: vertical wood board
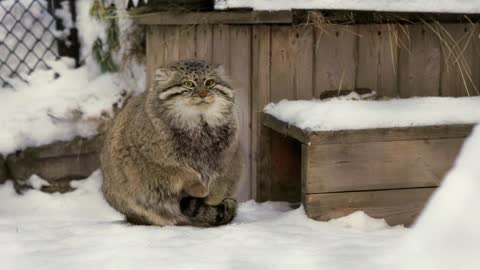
[
  {"x": 335, "y": 58},
  {"x": 261, "y": 161},
  {"x": 459, "y": 61},
  {"x": 377, "y": 59},
  {"x": 420, "y": 61},
  {"x": 240, "y": 64}
]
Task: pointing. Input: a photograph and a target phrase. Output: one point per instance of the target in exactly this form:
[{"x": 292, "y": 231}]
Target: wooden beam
[
  {"x": 391, "y": 134},
  {"x": 285, "y": 128},
  {"x": 215, "y": 17},
  {"x": 378, "y": 165},
  {"x": 400, "y": 206},
  {"x": 367, "y": 135}
]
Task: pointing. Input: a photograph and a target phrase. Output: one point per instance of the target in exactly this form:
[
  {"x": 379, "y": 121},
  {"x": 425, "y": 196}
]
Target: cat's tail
[{"x": 202, "y": 215}]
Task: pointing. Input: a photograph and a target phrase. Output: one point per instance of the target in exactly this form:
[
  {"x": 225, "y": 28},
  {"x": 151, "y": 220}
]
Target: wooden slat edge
[
  {"x": 397, "y": 206},
  {"x": 215, "y": 17},
  {"x": 285, "y": 128},
  {"x": 391, "y": 134}
]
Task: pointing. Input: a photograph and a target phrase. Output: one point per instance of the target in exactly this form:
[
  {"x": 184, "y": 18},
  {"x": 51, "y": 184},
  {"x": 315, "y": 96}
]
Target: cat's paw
[{"x": 227, "y": 210}]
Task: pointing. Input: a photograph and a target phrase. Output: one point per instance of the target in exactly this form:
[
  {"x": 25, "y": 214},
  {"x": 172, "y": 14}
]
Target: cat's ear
[
  {"x": 220, "y": 70},
  {"x": 161, "y": 76}
]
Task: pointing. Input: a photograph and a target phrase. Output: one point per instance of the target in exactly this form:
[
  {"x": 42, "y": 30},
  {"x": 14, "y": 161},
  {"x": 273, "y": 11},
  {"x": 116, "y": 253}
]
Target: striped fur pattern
[{"x": 172, "y": 154}]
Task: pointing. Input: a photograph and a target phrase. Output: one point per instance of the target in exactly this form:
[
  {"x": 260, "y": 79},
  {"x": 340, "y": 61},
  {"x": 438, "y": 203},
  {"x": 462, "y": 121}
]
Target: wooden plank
[
  {"x": 204, "y": 42},
  {"x": 215, "y": 17},
  {"x": 419, "y": 61},
  {"x": 335, "y": 58},
  {"x": 377, "y": 59},
  {"x": 285, "y": 129},
  {"x": 395, "y": 206},
  {"x": 379, "y": 165},
  {"x": 284, "y": 152},
  {"x": 459, "y": 62},
  {"x": 285, "y": 169},
  {"x": 221, "y": 46},
  {"x": 170, "y": 44},
  {"x": 282, "y": 76},
  {"x": 304, "y": 62},
  {"x": 367, "y": 135},
  {"x": 391, "y": 134},
  {"x": 240, "y": 71},
  {"x": 261, "y": 163},
  {"x": 186, "y": 42}
]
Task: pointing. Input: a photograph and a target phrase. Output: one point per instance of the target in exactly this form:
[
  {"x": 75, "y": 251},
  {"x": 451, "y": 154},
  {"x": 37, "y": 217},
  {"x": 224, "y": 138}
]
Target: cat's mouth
[{"x": 202, "y": 102}]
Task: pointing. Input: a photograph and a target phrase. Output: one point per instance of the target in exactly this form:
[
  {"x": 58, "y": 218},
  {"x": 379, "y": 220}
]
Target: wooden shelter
[{"x": 298, "y": 54}]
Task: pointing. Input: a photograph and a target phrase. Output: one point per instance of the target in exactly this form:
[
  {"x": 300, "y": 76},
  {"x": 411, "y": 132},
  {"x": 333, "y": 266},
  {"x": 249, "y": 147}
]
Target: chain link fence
[{"x": 32, "y": 33}]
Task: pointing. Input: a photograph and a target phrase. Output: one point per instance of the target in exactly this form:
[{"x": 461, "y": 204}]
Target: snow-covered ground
[
  {"x": 447, "y": 6},
  {"x": 79, "y": 230},
  {"x": 339, "y": 114}
]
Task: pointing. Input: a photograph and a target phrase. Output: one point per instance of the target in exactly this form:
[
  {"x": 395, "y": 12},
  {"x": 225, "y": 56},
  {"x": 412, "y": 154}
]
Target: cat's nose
[{"x": 203, "y": 93}]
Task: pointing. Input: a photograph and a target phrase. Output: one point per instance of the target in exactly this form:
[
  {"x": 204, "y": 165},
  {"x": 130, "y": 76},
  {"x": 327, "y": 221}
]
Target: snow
[
  {"x": 50, "y": 109},
  {"x": 41, "y": 108},
  {"x": 78, "y": 230},
  {"x": 447, "y": 234},
  {"x": 338, "y": 114},
  {"x": 35, "y": 182},
  {"x": 447, "y": 6},
  {"x": 89, "y": 29}
]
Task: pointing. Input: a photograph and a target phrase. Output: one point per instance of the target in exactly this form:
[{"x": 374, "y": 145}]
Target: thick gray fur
[{"x": 172, "y": 154}]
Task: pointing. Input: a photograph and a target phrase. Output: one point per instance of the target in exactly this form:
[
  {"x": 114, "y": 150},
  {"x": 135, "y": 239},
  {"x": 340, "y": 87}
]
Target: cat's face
[{"x": 194, "y": 91}]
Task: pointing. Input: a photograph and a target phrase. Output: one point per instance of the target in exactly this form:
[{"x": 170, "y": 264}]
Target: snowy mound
[
  {"x": 49, "y": 109},
  {"x": 447, "y": 234},
  {"x": 78, "y": 230},
  {"x": 337, "y": 114},
  {"x": 447, "y": 6}
]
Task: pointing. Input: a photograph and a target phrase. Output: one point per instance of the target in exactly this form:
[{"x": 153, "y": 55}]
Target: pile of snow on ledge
[
  {"x": 444, "y": 6},
  {"x": 78, "y": 230},
  {"x": 316, "y": 115},
  {"x": 49, "y": 109}
]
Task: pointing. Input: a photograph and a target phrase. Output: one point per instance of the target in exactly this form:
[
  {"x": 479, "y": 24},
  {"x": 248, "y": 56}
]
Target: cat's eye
[
  {"x": 188, "y": 84},
  {"x": 209, "y": 83}
]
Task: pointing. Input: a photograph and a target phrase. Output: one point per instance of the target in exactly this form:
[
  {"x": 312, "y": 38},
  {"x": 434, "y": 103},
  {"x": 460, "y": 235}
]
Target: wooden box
[{"x": 387, "y": 172}]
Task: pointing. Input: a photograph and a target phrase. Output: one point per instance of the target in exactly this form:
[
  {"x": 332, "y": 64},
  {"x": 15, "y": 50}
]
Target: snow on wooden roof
[{"x": 436, "y": 6}]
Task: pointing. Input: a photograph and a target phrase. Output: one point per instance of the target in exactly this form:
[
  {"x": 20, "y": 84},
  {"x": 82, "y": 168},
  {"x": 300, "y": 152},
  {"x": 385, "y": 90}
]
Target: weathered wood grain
[
  {"x": 304, "y": 61},
  {"x": 155, "y": 37},
  {"x": 419, "y": 61},
  {"x": 378, "y": 59},
  {"x": 285, "y": 152},
  {"x": 221, "y": 46},
  {"x": 282, "y": 76},
  {"x": 391, "y": 134},
  {"x": 400, "y": 206},
  {"x": 240, "y": 52},
  {"x": 216, "y": 17},
  {"x": 261, "y": 163},
  {"x": 458, "y": 60},
  {"x": 335, "y": 58},
  {"x": 379, "y": 165},
  {"x": 367, "y": 135},
  {"x": 204, "y": 42}
]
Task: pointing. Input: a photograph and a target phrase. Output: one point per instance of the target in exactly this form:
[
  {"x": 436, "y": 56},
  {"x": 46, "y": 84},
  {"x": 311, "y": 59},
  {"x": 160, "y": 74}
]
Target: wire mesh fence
[{"x": 32, "y": 33}]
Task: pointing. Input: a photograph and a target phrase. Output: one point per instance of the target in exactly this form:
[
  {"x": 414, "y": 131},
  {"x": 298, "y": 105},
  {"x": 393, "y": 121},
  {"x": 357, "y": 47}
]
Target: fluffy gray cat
[{"x": 172, "y": 154}]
